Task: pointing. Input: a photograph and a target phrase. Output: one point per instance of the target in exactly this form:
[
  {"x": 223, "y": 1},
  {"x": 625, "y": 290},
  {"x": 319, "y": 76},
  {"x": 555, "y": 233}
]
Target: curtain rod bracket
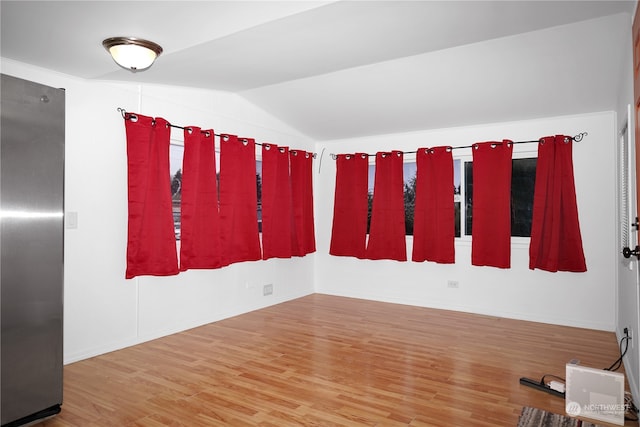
[{"x": 579, "y": 136}]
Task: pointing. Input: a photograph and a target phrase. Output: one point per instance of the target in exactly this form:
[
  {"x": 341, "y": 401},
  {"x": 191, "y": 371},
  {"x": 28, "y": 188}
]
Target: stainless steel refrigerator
[{"x": 31, "y": 249}]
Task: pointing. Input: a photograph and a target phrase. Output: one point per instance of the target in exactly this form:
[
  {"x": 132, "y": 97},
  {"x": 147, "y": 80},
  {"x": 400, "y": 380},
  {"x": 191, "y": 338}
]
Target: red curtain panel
[
  {"x": 387, "y": 229},
  {"x": 491, "y": 228},
  {"x": 277, "y": 216},
  {"x": 349, "y": 228},
  {"x": 200, "y": 222},
  {"x": 240, "y": 240},
  {"x": 301, "y": 163},
  {"x": 556, "y": 242},
  {"x": 434, "y": 213},
  {"x": 151, "y": 242}
]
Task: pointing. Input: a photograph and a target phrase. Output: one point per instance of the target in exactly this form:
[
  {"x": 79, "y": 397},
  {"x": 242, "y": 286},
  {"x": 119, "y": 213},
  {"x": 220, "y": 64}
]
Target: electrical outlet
[
  {"x": 628, "y": 332},
  {"x": 453, "y": 284},
  {"x": 267, "y": 289}
]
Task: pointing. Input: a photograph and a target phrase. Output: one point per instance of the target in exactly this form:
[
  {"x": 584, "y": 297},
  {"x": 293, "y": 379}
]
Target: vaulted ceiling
[{"x": 340, "y": 69}]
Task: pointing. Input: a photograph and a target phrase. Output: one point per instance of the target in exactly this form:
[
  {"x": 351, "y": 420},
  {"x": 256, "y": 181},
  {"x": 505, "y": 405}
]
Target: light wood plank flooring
[{"x": 323, "y": 361}]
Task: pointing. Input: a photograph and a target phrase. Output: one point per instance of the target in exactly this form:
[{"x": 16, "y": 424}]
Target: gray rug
[{"x": 533, "y": 417}]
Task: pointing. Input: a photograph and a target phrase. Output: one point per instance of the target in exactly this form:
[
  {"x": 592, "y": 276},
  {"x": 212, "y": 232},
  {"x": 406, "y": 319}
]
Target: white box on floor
[{"x": 595, "y": 393}]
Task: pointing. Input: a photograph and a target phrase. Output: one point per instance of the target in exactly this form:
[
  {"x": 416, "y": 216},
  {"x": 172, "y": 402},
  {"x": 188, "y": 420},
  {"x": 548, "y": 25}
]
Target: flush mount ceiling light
[{"x": 132, "y": 53}]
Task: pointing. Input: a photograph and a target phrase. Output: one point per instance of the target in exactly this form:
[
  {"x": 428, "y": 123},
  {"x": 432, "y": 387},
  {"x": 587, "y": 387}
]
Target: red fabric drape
[
  {"x": 151, "y": 242},
  {"x": 387, "y": 229},
  {"x": 240, "y": 240},
  {"x": 556, "y": 242},
  {"x": 491, "y": 228},
  {"x": 434, "y": 212},
  {"x": 277, "y": 217},
  {"x": 199, "y": 223},
  {"x": 301, "y": 163},
  {"x": 349, "y": 230}
]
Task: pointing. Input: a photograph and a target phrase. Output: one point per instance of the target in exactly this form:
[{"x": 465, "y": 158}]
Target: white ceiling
[{"x": 344, "y": 69}]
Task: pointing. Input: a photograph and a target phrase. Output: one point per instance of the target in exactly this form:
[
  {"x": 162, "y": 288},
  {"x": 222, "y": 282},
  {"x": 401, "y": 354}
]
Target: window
[
  {"x": 522, "y": 187},
  {"x": 175, "y": 168},
  {"x": 176, "y": 152},
  {"x": 523, "y": 177},
  {"x": 409, "y": 174}
]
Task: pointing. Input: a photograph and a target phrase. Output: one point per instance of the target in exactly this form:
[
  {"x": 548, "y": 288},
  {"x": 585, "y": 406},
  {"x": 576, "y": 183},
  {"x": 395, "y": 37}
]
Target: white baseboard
[
  {"x": 441, "y": 305},
  {"x": 189, "y": 324}
]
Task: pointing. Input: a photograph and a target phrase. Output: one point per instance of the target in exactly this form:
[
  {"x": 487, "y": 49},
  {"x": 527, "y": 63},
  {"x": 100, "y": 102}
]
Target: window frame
[{"x": 524, "y": 151}]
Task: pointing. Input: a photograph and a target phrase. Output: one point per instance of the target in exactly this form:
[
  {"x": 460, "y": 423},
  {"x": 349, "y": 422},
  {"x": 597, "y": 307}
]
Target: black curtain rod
[
  {"x": 576, "y": 138},
  {"x": 126, "y": 115}
]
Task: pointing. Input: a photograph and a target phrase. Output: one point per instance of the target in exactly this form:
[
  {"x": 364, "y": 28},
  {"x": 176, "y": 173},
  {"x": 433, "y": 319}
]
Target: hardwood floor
[{"x": 322, "y": 361}]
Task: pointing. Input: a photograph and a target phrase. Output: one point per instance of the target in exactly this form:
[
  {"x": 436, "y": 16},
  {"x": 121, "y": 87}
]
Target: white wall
[
  {"x": 627, "y": 270},
  {"x": 103, "y": 311},
  {"x": 574, "y": 299}
]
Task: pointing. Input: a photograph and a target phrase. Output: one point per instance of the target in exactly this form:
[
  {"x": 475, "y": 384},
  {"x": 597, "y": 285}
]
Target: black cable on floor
[{"x": 618, "y": 363}]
